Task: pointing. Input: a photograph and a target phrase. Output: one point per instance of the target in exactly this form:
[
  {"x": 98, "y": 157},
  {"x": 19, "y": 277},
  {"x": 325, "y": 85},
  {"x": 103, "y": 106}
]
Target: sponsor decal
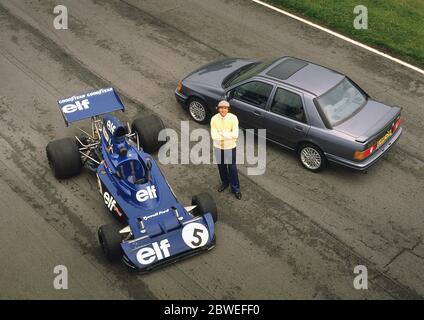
[
  {"x": 111, "y": 127},
  {"x": 99, "y": 92},
  {"x": 80, "y": 102},
  {"x": 155, "y": 252},
  {"x": 111, "y": 203},
  {"x": 195, "y": 235},
  {"x": 146, "y": 194},
  {"x": 155, "y": 214},
  {"x": 78, "y": 106},
  {"x": 83, "y": 96}
]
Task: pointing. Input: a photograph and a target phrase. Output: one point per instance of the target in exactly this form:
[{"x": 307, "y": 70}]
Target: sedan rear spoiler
[{"x": 385, "y": 123}]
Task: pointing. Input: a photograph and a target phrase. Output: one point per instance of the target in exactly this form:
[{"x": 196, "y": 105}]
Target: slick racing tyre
[
  {"x": 64, "y": 157},
  {"x": 205, "y": 203},
  {"x": 147, "y": 129},
  {"x": 110, "y": 240},
  {"x": 311, "y": 157}
]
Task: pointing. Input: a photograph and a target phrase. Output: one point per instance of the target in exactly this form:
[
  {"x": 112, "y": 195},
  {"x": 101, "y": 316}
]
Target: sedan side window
[
  {"x": 255, "y": 93},
  {"x": 288, "y": 104}
]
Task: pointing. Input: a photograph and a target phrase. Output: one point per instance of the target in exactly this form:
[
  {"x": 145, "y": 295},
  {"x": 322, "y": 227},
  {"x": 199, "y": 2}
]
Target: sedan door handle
[
  {"x": 298, "y": 128},
  {"x": 257, "y": 113}
]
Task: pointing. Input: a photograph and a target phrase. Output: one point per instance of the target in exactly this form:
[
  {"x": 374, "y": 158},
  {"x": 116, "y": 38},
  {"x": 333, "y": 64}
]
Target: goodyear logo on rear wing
[{"x": 90, "y": 104}]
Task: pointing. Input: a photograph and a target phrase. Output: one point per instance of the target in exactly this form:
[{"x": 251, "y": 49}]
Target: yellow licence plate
[{"x": 384, "y": 139}]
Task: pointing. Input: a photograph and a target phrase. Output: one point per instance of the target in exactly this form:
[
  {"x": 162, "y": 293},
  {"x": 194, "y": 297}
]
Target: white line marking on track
[{"x": 338, "y": 35}]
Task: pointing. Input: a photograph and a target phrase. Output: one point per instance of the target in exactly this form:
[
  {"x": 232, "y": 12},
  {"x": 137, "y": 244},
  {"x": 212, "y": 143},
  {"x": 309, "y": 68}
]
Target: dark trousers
[{"x": 227, "y": 167}]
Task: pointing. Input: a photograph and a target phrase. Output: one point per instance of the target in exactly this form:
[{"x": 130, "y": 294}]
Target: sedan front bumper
[{"x": 181, "y": 99}]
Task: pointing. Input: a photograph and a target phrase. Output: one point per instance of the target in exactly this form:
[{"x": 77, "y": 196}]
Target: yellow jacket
[{"x": 224, "y": 131}]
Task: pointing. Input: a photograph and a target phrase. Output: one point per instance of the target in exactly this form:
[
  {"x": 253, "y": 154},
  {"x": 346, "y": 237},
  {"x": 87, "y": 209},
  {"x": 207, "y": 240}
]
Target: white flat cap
[{"x": 223, "y": 103}]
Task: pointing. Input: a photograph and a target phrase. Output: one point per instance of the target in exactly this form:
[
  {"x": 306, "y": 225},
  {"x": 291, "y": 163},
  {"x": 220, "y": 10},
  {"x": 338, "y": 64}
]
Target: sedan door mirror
[{"x": 229, "y": 95}]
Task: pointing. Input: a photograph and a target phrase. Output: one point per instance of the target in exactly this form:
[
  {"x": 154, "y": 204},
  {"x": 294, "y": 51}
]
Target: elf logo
[
  {"x": 79, "y": 105},
  {"x": 111, "y": 203},
  {"x": 158, "y": 251},
  {"x": 111, "y": 127},
  {"x": 146, "y": 194}
]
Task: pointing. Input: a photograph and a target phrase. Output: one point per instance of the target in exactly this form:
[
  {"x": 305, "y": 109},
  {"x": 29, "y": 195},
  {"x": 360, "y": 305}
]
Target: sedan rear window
[{"x": 341, "y": 102}]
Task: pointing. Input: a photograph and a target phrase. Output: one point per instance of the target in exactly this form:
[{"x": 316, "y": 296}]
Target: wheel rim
[
  {"x": 197, "y": 111},
  {"x": 311, "y": 158}
]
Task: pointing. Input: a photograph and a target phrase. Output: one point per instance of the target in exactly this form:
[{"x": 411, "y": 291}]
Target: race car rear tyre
[
  {"x": 64, "y": 157},
  {"x": 110, "y": 240},
  {"x": 205, "y": 203},
  {"x": 148, "y": 128}
]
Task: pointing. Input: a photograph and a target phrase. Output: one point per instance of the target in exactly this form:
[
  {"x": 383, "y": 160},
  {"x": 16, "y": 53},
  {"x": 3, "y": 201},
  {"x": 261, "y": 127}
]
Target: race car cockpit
[{"x": 132, "y": 171}]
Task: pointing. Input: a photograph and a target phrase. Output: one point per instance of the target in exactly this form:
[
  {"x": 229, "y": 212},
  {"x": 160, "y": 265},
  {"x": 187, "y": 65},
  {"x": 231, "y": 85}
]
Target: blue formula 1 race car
[{"x": 155, "y": 228}]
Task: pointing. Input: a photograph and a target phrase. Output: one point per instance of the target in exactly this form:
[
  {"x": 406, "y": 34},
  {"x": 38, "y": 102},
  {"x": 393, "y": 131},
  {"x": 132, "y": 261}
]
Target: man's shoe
[
  {"x": 222, "y": 187},
  {"x": 238, "y": 195}
]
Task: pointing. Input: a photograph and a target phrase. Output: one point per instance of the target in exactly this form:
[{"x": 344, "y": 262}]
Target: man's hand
[
  {"x": 227, "y": 135},
  {"x": 222, "y": 133}
]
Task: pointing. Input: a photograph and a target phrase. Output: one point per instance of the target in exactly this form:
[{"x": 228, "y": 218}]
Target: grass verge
[{"x": 395, "y": 27}]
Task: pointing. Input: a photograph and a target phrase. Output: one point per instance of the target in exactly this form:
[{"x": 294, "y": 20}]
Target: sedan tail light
[
  {"x": 396, "y": 125},
  {"x": 361, "y": 155}
]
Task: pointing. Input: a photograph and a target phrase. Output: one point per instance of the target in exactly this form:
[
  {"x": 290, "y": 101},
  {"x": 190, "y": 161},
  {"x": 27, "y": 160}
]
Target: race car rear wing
[{"x": 89, "y": 105}]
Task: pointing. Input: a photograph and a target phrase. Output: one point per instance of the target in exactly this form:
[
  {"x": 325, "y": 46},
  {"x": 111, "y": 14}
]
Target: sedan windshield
[
  {"x": 341, "y": 102},
  {"x": 245, "y": 73}
]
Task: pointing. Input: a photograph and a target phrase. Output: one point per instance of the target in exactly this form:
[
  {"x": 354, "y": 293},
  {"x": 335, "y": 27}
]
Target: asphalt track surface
[{"x": 294, "y": 235}]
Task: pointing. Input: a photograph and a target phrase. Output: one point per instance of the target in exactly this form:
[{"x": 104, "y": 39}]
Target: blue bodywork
[{"x": 136, "y": 192}]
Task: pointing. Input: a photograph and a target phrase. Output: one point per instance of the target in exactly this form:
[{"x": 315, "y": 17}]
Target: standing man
[{"x": 224, "y": 132}]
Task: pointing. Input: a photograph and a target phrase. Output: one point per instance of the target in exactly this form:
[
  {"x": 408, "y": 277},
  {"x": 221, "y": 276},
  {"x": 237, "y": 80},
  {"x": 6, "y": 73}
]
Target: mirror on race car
[{"x": 149, "y": 164}]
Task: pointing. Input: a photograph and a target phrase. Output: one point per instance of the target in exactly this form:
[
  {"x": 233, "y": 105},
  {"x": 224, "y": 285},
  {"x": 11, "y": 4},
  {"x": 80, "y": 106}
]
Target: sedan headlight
[{"x": 180, "y": 88}]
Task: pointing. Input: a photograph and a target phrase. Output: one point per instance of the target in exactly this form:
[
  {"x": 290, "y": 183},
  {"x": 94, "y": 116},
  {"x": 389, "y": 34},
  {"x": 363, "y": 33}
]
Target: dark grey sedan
[{"x": 321, "y": 114}]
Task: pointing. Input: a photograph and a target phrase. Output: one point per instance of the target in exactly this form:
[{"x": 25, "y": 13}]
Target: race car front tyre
[
  {"x": 205, "y": 203},
  {"x": 64, "y": 158},
  {"x": 110, "y": 240},
  {"x": 147, "y": 129}
]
